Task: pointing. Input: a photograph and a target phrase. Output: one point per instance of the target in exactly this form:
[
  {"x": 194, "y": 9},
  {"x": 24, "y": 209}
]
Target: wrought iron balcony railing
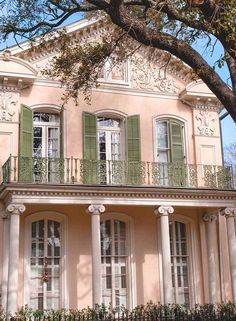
[{"x": 79, "y": 171}]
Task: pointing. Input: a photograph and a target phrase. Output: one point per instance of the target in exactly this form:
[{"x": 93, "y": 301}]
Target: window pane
[
  {"x": 45, "y": 246},
  {"x": 162, "y": 135},
  {"x": 179, "y": 263},
  {"x": 114, "y": 266}
]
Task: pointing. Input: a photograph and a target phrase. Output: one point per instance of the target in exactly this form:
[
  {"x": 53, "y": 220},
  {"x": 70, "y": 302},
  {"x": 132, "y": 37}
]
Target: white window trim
[
  {"x": 56, "y": 109},
  {"x": 116, "y": 115},
  {"x": 132, "y": 289},
  {"x": 194, "y": 276},
  {"x": 62, "y": 219},
  {"x": 185, "y": 134}
]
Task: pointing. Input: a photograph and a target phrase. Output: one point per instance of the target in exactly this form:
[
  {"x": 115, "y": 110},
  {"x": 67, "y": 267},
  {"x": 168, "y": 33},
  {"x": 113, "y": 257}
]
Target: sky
[{"x": 228, "y": 126}]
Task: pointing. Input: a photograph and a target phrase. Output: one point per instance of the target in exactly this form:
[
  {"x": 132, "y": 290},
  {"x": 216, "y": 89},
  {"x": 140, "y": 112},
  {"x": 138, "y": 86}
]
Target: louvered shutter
[
  {"x": 133, "y": 138},
  {"x": 178, "y": 173},
  {"x": 133, "y": 151},
  {"x": 89, "y": 168},
  {"x": 26, "y": 145},
  {"x": 176, "y": 139},
  {"x": 90, "y": 136}
]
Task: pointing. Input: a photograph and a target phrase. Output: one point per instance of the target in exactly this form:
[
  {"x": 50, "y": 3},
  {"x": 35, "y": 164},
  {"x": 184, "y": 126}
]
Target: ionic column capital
[
  {"x": 15, "y": 209},
  {"x": 164, "y": 210},
  {"x": 228, "y": 212},
  {"x": 96, "y": 209},
  {"x": 209, "y": 217}
]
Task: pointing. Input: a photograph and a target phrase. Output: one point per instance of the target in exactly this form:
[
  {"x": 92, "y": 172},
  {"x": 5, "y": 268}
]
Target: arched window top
[{"x": 46, "y": 108}]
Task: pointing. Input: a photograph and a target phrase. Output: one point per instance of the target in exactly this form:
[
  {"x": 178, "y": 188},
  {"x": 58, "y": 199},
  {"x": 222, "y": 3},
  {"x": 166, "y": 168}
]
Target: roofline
[{"x": 72, "y": 27}]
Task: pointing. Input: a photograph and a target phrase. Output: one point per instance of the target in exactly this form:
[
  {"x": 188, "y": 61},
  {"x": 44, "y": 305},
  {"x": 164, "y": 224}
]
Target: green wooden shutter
[
  {"x": 26, "y": 131},
  {"x": 133, "y": 138},
  {"x": 176, "y": 140},
  {"x": 89, "y": 168},
  {"x": 61, "y": 155},
  {"x": 26, "y": 145},
  {"x": 61, "y": 134},
  {"x": 133, "y": 151},
  {"x": 178, "y": 170},
  {"x": 90, "y": 136}
]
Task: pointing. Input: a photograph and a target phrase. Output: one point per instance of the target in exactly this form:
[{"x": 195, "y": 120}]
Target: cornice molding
[{"x": 77, "y": 194}]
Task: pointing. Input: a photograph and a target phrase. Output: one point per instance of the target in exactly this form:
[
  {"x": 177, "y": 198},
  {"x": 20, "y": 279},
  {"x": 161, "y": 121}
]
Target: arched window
[
  {"x": 115, "y": 257},
  {"x": 180, "y": 262},
  {"x": 170, "y": 169},
  {"x": 46, "y": 146},
  {"x": 107, "y": 140},
  {"x": 169, "y": 137},
  {"x": 45, "y": 266},
  {"x": 46, "y": 137},
  {"x": 41, "y": 150}
]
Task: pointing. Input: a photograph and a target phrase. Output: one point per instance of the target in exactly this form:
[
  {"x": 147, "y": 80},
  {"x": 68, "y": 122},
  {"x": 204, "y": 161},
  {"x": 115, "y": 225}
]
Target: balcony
[{"x": 116, "y": 173}]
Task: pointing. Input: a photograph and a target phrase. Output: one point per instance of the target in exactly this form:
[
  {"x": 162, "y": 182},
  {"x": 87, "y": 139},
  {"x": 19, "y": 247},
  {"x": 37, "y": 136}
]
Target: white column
[
  {"x": 5, "y": 258},
  {"x": 213, "y": 269},
  {"x": 96, "y": 210},
  {"x": 230, "y": 213},
  {"x": 14, "y": 211},
  {"x": 163, "y": 212}
]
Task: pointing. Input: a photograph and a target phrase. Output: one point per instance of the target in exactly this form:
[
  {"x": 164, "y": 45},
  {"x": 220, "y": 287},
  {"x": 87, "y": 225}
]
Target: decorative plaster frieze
[
  {"x": 96, "y": 209},
  {"x": 15, "y": 209},
  {"x": 209, "y": 217},
  {"x": 7, "y": 105},
  {"x": 175, "y": 194},
  {"x": 228, "y": 212},
  {"x": 147, "y": 76},
  {"x": 164, "y": 210},
  {"x": 206, "y": 122}
]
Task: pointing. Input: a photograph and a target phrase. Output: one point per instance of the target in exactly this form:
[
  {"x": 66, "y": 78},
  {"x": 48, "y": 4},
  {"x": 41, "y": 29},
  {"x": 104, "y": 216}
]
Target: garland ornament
[{"x": 45, "y": 276}]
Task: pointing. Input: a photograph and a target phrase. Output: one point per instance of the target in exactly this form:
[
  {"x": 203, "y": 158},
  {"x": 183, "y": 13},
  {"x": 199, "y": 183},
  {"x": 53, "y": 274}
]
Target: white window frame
[
  {"x": 185, "y": 134},
  {"x": 131, "y": 268},
  {"x": 45, "y": 126},
  {"x": 62, "y": 219},
  {"x": 194, "y": 273},
  {"x": 54, "y": 109},
  {"x": 114, "y": 115}
]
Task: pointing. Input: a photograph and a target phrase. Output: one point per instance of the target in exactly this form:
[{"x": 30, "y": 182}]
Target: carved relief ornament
[
  {"x": 206, "y": 122},
  {"x": 7, "y": 105},
  {"x": 146, "y": 76}
]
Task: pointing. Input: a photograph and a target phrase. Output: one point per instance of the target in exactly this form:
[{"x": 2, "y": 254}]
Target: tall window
[
  {"x": 171, "y": 170},
  {"x": 46, "y": 146},
  {"x": 114, "y": 252},
  {"x": 45, "y": 264},
  {"x": 179, "y": 263},
  {"x": 109, "y": 147},
  {"x": 109, "y": 138}
]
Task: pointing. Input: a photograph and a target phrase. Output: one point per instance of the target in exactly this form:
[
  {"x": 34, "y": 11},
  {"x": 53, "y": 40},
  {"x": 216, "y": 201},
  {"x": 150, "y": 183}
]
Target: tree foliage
[{"x": 172, "y": 26}]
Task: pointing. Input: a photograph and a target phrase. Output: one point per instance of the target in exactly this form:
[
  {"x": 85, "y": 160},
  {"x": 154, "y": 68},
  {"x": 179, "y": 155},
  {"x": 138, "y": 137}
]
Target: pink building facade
[{"x": 121, "y": 201}]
